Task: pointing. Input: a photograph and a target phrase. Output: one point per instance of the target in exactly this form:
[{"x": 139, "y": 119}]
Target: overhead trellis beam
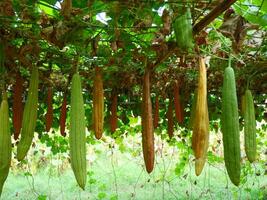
[{"x": 212, "y": 15}]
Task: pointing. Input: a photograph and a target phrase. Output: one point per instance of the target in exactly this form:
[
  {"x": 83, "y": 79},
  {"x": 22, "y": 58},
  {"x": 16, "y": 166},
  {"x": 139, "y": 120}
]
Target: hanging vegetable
[
  {"x": 183, "y": 30},
  {"x": 98, "y": 104},
  {"x": 177, "y": 103},
  {"x": 200, "y": 139},
  {"x": 29, "y": 116},
  {"x": 147, "y": 125},
  {"x": 250, "y": 127},
  {"x": 63, "y": 115},
  {"x": 77, "y": 132},
  {"x": 17, "y": 105},
  {"x": 230, "y": 126},
  {"x": 5, "y": 144}
]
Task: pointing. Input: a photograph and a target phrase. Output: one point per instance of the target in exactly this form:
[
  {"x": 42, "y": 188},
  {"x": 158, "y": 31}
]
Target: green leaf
[
  {"x": 42, "y": 197},
  {"x": 101, "y": 195},
  {"x": 264, "y": 6},
  {"x": 114, "y": 197},
  {"x": 92, "y": 181},
  {"x": 133, "y": 121},
  {"x": 27, "y": 174},
  {"x": 46, "y": 9}
]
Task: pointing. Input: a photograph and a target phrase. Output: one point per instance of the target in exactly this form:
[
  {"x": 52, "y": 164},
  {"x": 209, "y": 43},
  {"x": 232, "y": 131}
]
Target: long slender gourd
[
  {"x": 98, "y": 104},
  {"x": 183, "y": 30},
  {"x": 29, "y": 116},
  {"x": 63, "y": 116},
  {"x": 201, "y": 120},
  {"x": 5, "y": 142},
  {"x": 242, "y": 107},
  {"x": 147, "y": 125},
  {"x": 200, "y": 139},
  {"x": 177, "y": 103},
  {"x": 230, "y": 126},
  {"x": 77, "y": 132},
  {"x": 200, "y": 162},
  {"x": 250, "y": 127},
  {"x": 17, "y": 105}
]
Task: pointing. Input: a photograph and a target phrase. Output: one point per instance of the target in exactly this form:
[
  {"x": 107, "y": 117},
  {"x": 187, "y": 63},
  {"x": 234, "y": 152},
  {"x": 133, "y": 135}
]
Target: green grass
[{"x": 115, "y": 175}]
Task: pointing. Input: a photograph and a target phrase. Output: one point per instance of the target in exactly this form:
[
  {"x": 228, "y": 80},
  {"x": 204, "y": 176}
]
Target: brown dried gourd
[
  {"x": 200, "y": 139},
  {"x": 177, "y": 103},
  {"x": 147, "y": 125},
  {"x": 98, "y": 104},
  {"x": 17, "y": 105},
  {"x": 63, "y": 116}
]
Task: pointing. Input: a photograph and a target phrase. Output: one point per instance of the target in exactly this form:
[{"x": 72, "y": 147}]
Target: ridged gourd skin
[
  {"x": 29, "y": 116},
  {"x": 98, "y": 104},
  {"x": 156, "y": 113},
  {"x": 170, "y": 129},
  {"x": 201, "y": 120},
  {"x": 17, "y": 105},
  {"x": 250, "y": 127},
  {"x": 113, "y": 109},
  {"x": 5, "y": 142},
  {"x": 49, "y": 113},
  {"x": 183, "y": 31},
  {"x": 63, "y": 116},
  {"x": 242, "y": 109},
  {"x": 77, "y": 137},
  {"x": 230, "y": 126},
  {"x": 200, "y": 138},
  {"x": 200, "y": 162},
  {"x": 147, "y": 125}
]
